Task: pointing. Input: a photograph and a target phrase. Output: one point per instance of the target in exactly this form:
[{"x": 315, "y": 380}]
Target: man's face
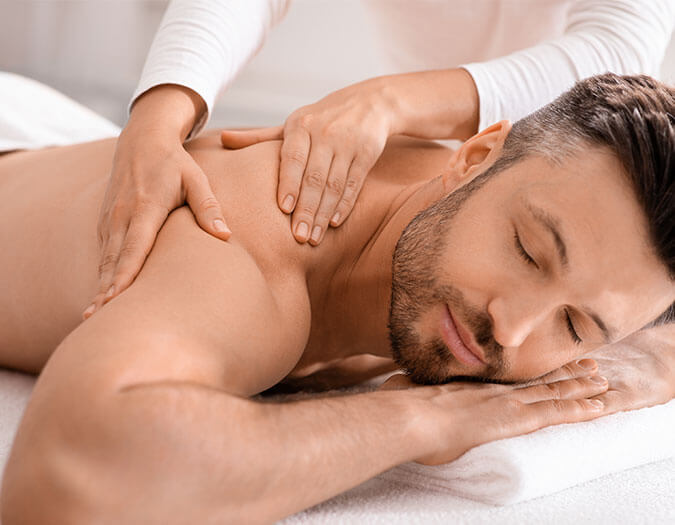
[{"x": 512, "y": 279}]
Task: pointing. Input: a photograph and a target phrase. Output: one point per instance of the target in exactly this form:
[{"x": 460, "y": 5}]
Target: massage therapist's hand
[
  {"x": 152, "y": 174},
  {"x": 328, "y": 149},
  {"x": 330, "y": 146},
  {"x": 456, "y": 417}
]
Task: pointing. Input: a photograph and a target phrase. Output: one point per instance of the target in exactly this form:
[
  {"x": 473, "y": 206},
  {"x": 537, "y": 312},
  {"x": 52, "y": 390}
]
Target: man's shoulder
[
  {"x": 202, "y": 307},
  {"x": 245, "y": 183},
  {"x": 407, "y": 160}
]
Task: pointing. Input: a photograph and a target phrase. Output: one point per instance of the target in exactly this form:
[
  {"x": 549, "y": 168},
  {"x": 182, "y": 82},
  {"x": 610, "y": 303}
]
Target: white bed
[{"x": 639, "y": 495}]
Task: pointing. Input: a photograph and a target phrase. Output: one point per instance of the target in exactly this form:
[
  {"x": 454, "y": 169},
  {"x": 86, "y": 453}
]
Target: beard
[{"x": 415, "y": 290}]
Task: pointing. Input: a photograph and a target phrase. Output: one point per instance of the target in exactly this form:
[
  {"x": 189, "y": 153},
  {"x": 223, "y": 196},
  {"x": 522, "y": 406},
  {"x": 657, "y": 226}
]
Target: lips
[{"x": 459, "y": 340}]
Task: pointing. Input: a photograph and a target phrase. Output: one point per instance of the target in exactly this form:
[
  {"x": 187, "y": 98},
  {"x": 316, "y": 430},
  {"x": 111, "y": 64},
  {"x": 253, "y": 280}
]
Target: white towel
[
  {"x": 15, "y": 389},
  {"x": 33, "y": 116},
  {"x": 552, "y": 459}
]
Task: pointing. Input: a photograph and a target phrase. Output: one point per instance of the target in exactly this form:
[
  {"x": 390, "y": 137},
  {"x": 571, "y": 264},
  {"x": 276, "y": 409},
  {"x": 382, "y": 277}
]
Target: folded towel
[{"x": 549, "y": 460}]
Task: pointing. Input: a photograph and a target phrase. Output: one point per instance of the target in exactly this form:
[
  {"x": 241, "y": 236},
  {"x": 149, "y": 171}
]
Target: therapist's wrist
[
  {"x": 168, "y": 110},
  {"x": 383, "y": 95},
  {"x": 441, "y": 104},
  {"x": 466, "y": 107}
]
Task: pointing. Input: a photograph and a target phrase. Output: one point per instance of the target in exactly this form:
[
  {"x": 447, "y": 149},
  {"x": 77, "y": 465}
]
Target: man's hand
[
  {"x": 640, "y": 370},
  {"x": 459, "y": 416},
  {"x": 152, "y": 174},
  {"x": 328, "y": 149}
]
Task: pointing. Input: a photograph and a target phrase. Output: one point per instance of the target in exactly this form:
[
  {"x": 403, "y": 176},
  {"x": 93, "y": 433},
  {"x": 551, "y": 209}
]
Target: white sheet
[{"x": 33, "y": 115}]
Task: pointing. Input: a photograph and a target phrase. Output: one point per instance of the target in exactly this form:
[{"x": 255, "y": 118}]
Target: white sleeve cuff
[{"x": 204, "y": 44}]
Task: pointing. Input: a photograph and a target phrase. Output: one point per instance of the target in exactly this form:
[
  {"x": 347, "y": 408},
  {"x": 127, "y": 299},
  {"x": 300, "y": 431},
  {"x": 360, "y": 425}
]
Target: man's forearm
[{"x": 257, "y": 462}]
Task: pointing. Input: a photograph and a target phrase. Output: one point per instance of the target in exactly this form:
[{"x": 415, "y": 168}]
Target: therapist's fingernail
[
  {"x": 220, "y": 227},
  {"x": 316, "y": 233},
  {"x": 302, "y": 231},
  {"x": 586, "y": 364},
  {"x": 287, "y": 205},
  {"x": 599, "y": 380},
  {"x": 89, "y": 311},
  {"x": 110, "y": 292},
  {"x": 335, "y": 219},
  {"x": 596, "y": 403}
]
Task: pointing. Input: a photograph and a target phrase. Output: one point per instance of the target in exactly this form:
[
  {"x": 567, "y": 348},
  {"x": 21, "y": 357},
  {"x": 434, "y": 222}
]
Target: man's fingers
[
  {"x": 559, "y": 411},
  {"x": 293, "y": 161},
  {"x": 516, "y": 418},
  {"x": 619, "y": 400},
  {"x": 332, "y": 193},
  {"x": 581, "y": 368},
  {"x": 204, "y": 205},
  {"x": 568, "y": 389},
  {"x": 311, "y": 189},
  {"x": 235, "y": 139}
]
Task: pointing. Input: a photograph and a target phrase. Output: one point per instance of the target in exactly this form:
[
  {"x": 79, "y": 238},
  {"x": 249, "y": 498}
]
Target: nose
[{"x": 515, "y": 318}]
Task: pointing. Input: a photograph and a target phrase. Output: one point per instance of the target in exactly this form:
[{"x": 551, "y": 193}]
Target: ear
[{"x": 475, "y": 155}]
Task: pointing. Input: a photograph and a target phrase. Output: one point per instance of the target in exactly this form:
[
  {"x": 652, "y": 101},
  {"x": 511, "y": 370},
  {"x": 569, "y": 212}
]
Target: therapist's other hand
[
  {"x": 328, "y": 149},
  {"x": 152, "y": 174}
]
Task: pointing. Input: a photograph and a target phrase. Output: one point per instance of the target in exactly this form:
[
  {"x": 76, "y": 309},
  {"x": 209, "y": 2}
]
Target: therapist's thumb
[{"x": 204, "y": 204}]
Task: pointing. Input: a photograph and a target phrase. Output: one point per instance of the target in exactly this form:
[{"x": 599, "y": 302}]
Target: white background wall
[{"x": 93, "y": 50}]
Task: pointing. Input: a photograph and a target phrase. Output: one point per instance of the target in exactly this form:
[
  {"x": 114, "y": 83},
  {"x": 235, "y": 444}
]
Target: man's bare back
[{"x": 50, "y": 224}]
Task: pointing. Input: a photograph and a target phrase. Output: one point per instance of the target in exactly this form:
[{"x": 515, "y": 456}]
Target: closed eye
[
  {"x": 522, "y": 251},
  {"x": 570, "y": 327}
]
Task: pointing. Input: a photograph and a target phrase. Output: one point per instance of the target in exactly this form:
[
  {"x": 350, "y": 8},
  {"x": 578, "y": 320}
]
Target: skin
[
  {"x": 330, "y": 146},
  {"x": 151, "y": 175},
  {"x": 151, "y": 395},
  {"x": 327, "y": 150}
]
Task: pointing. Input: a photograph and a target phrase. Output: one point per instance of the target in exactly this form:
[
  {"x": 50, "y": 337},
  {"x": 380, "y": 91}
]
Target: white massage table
[{"x": 640, "y": 495}]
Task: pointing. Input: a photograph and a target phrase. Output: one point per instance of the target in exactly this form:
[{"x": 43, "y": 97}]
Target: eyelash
[
  {"x": 575, "y": 337},
  {"x": 522, "y": 252},
  {"x": 529, "y": 260}
]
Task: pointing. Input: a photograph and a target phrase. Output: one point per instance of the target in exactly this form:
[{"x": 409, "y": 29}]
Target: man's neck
[{"x": 350, "y": 299}]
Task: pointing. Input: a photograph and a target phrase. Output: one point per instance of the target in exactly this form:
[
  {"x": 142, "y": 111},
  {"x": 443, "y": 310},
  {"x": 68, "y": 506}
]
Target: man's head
[{"x": 562, "y": 241}]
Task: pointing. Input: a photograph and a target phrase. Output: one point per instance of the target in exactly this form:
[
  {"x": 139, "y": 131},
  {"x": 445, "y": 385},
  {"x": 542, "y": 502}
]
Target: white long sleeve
[
  {"x": 622, "y": 36},
  {"x": 203, "y": 44}
]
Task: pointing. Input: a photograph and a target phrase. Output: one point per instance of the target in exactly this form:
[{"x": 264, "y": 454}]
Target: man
[{"x": 532, "y": 247}]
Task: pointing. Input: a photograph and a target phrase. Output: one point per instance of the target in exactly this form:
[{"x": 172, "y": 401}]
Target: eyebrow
[{"x": 552, "y": 224}]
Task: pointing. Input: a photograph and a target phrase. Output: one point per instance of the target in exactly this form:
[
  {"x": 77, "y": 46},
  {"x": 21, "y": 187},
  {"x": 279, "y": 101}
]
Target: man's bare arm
[{"x": 142, "y": 413}]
